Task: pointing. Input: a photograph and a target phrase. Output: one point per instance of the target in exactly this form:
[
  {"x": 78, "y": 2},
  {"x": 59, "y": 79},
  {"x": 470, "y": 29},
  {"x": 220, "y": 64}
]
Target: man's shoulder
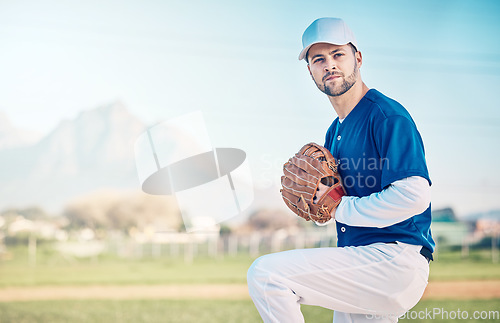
[{"x": 384, "y": 106}]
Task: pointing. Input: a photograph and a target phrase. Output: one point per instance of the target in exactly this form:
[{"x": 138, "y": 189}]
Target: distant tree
[
  {"x": 123, "y": 211},
  {"x": 30, "y": 213},
  {"x": 269, "y": 219},
  {"x": 141, "y": 210},
  {"x": 90, "y": 211},
  {"x": 444, "y": 215},
  {"x": 225, "y": 230}
]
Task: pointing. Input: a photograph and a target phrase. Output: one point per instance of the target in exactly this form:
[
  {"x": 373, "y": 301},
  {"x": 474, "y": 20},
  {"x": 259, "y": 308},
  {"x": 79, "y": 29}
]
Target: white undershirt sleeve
[{"x": 398, "y": 202}]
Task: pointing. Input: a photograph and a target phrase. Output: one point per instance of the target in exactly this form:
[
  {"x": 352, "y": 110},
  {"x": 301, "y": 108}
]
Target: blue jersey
[{"x": 376, "y": 144}]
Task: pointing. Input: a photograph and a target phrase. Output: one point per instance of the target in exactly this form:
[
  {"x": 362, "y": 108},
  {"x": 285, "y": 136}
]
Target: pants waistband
[{"x": 425, "y": 252}]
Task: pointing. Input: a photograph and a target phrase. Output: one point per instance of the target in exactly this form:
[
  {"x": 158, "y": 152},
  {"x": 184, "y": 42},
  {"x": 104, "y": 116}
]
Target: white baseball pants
[{"x": 374, "y": 283}]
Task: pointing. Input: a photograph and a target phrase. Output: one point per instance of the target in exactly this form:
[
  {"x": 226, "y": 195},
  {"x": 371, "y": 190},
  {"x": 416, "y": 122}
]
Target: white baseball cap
[{"x": 327, "y": 30}]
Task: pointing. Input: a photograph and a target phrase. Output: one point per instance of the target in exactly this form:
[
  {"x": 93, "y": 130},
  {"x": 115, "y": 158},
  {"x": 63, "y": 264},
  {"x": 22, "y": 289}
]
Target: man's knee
[
  {"x": 259, "y": 272},
  {"x": 256, "y": 269}
]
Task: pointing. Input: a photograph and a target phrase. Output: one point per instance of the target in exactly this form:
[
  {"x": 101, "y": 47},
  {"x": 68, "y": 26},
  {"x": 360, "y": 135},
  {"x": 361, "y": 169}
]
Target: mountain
[
  {"x": 93, "y": 151},
  {"x": 11, "y": 136}
]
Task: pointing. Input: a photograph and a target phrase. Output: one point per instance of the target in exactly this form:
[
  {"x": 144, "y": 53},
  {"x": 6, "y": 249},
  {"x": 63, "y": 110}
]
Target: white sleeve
[{"x": 398, "y": 202}]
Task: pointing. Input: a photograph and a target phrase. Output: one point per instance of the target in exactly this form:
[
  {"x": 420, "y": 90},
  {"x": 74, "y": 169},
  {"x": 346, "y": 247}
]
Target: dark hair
[{"x": 354, "y": 50}]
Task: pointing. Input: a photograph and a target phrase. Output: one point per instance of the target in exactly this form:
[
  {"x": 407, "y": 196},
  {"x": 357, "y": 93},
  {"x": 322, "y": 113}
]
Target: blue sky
[{"x": 237, "y": 62}]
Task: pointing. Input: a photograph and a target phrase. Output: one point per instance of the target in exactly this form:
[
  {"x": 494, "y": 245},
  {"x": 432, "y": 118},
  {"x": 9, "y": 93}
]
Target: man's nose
[{"x": 329, "y": 65}]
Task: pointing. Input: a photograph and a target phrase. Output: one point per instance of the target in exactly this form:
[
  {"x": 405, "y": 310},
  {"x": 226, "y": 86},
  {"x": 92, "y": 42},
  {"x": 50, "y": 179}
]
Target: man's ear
[
  {"x": 309, "y": 69},
  {"x": 359, "y": 58}
]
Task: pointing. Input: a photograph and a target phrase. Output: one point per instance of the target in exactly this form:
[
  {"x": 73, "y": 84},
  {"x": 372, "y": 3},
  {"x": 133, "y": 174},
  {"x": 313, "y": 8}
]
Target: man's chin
[
  {"x": 339, "y": 90},
  {"x": 333, "y": 92}
]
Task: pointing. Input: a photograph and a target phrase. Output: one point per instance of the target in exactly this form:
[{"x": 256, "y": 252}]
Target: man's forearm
[{"x": 398, "y": 202}]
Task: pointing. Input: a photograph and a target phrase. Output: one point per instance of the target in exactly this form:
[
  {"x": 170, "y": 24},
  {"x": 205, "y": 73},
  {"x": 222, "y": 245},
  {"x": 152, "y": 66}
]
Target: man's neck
[{"x": 344, "y": 103}]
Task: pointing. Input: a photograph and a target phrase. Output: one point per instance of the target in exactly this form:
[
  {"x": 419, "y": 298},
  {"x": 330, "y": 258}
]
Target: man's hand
[
  {"x": 322, "y": 188},
  {"x": 320, "y": 191},
  {"x": 312, "y": 187}
]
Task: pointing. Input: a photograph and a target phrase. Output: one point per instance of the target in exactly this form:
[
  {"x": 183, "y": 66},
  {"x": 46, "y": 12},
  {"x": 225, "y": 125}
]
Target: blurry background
[{"x": 80, "y": 80}]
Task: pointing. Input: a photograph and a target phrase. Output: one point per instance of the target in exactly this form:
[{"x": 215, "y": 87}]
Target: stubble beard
[{"x": 347, "y": 83}]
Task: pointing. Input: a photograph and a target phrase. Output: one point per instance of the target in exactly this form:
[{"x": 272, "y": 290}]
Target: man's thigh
[{"x": 376, "y": 279}]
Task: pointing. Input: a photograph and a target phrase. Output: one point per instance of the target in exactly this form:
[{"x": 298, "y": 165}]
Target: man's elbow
[{"x": 423, "y": 200}]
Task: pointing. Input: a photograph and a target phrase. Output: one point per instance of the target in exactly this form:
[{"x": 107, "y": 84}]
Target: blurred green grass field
[
  {"x": 52, "y": 270},
  {"x": 206, "y": 311}
]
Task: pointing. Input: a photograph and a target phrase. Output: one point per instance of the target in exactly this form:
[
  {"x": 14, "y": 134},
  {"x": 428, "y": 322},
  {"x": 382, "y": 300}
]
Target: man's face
[{"x": 334, "y": 69}]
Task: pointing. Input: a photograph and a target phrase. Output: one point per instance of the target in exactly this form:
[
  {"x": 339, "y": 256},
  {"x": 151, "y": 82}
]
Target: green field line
[{"x": 206, "y": 311}]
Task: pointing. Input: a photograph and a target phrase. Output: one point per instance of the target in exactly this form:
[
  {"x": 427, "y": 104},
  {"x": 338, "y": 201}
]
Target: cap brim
[{"x": 303, "y": 53}]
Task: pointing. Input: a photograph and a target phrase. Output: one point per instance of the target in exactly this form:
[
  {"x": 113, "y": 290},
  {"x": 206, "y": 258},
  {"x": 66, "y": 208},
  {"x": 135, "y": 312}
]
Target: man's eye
[
  {"x": 337, "y": 55},
  {"x": 317, "y": 60}
]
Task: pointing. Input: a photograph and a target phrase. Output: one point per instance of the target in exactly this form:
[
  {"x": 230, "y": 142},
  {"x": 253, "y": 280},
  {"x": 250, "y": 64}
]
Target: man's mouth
[{"x": 329, "y": 77}]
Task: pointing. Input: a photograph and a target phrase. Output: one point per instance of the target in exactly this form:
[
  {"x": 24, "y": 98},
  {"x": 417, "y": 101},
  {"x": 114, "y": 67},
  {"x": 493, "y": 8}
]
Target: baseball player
[{"x": 381, "y": 265}]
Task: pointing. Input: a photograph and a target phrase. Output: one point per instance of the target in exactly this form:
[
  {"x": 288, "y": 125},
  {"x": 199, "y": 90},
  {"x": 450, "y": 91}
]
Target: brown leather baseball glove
[{"x": 303, "y": 173}]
